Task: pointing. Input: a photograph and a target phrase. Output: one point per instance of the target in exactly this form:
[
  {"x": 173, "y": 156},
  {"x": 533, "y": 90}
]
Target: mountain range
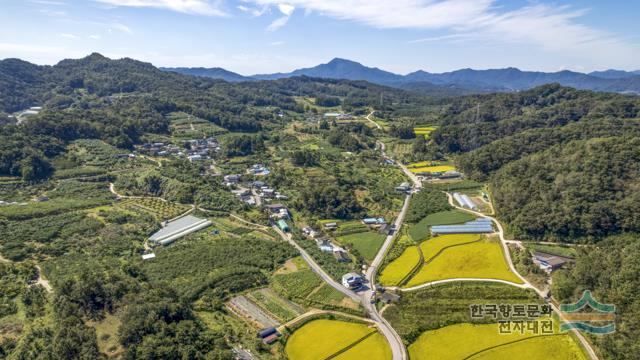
[{"x": 459, "y": 81}]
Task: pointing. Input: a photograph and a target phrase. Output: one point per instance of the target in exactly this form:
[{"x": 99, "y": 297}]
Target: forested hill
[
  {"x": 119, "y": 100},
  {"x": 562, "y": 164}
]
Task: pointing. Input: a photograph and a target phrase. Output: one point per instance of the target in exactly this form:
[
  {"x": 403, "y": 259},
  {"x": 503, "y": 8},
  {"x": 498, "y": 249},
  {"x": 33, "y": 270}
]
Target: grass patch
[
  {"x": 482, "y": 259},
  {"x": 400, "y": 267},
  {"x": 107, "y": 334},
  {"x": 319, "y": 339},
  {"x": 366, "y": 243}
]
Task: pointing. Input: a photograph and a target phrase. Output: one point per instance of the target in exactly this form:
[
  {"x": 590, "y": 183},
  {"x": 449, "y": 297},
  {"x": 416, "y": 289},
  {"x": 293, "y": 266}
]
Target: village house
[{"x": 352, "y": 280}]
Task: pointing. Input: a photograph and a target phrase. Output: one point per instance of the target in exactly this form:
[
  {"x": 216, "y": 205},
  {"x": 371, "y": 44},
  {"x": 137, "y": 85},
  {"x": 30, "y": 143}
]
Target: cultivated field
[
  {"x": 366, "y": 243},
  {"x": 426, "y": 131},
  {"x": 421, "y": 231},
  {"x": 399, "y": 268},
  {"x": 374, "y": 347},
  {"x": 322, "y": 339},
  {"x": 482, "y": 259},
  {"x": 162, "y": 210},
  {"x": 432, "y": 169},
  {"x": 452, "y": 342},
  {"x": 280, "y": 308}
]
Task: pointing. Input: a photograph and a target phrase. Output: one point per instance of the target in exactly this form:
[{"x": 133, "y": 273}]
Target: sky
[{"x": 265, "y": 36}]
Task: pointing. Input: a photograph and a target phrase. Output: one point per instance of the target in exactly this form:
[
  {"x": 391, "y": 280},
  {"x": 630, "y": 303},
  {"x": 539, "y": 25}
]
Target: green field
[
  {"x": 320, "y": 339},
  {"x": 400, "y": 267},
  {"x": 421, "y": 231},
  {"x": 482, "y": 259},
  {"x": 366, "y": 243},
  {"x": 452, "y": 342},
  {"x": 162, "y": 210}
]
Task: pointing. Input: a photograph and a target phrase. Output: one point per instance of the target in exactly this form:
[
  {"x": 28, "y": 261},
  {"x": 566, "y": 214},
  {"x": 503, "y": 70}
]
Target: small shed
[{"x": 283, "y": 225}]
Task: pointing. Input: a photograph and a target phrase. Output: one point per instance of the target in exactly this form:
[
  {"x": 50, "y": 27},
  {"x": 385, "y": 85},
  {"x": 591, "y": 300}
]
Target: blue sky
[{"x": 263, "y": 36}]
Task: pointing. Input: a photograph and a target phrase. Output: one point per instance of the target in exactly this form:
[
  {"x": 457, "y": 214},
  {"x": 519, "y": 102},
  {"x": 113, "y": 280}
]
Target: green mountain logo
[{"x": 600, "y": 321}]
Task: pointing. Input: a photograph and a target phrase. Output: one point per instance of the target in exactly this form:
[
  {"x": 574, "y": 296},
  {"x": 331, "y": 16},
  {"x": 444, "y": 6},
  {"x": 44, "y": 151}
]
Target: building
[
  {"x": 478, "y": 226},
  {"x": 275, "y": 208},
  {"x": 331, "y": 226},
  {"x": 464, "y": 201},
  {"x": 549, "y": 262},
  {"x": 178, "y": 228},
  {"x": 404, "y": 187},
  {"x": 450, "y": 175},
  {"x": 352, "y": 280},
  {"x": 283, "y": 225},
  {"x": 267, "y": 332},
  {"x": 373, "y": 221},
  {"x": 148, "y": 256},
  {"x": 341, "y": 256},
  {"x": 195, "y": 157}
]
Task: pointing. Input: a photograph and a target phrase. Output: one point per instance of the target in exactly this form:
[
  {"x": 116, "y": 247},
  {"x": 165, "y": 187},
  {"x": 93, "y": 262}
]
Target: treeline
[
  {"x": 609, "y": 271},
  {"x": 581, "y": 189}
]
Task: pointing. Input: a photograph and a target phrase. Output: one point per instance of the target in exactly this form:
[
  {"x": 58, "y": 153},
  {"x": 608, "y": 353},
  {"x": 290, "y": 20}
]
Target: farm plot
[
  {"x": 455, "y": 259},
  {"x": 432, "y": 169},
  {"x": 322, "y": 339},
  {"x": 421, "y": 231},
  {"x": 162, "y": 210},
  {"x": 277, "y": 306},
  {"x": 452, "y": 342},
  {"x": 251, "y": 312},
  {"x": 186, "y": 126},
  {"x": 366, "y": 243},
  {"x": 305, "y": 287},
  {"x": 374, "y": 347},
  {"x": 399, "y": 268},
  {"x": 425, "y": 131}
]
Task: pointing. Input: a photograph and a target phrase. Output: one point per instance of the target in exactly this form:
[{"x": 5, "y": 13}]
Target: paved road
[
  {"x": 315, "y": 267},
  {"x": 397, "y": 347},
  {"x": 504, "y": 242}
]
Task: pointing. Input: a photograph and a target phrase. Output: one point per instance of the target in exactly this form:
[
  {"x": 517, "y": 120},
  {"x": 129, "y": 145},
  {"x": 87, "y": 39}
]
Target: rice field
[
  {"x": 423, "y": 130},
  {"x": 374, "y": 347},
  {"x": 483, "y": 259},
  {"x": 452, "y": 342},
  {"x": 432, "y": 169},
  {"x": 399, "y": 268},
  {"x": 321, "y": 339}
]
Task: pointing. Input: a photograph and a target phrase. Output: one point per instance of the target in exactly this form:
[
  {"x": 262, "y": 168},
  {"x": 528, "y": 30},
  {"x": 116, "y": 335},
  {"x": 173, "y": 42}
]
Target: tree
[{"x": 35, "y": 167}]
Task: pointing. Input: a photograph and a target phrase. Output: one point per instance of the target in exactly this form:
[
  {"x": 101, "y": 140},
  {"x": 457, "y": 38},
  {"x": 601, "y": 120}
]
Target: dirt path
[{"x": 42, "y": 281}]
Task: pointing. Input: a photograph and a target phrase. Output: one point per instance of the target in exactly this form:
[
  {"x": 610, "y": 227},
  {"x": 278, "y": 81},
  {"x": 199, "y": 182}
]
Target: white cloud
[
  {"x": 68, "y": 36},
  {"x": 277, "y": 43},
  {"x": 254, "y": 11},
  {"x": 549, "y": 27},
  {"x": 121, "y": 27},
  {"x": 287, "y": 11},
  {"x": 95, "y": 37},
  {"x": 195, "y": 7}
]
